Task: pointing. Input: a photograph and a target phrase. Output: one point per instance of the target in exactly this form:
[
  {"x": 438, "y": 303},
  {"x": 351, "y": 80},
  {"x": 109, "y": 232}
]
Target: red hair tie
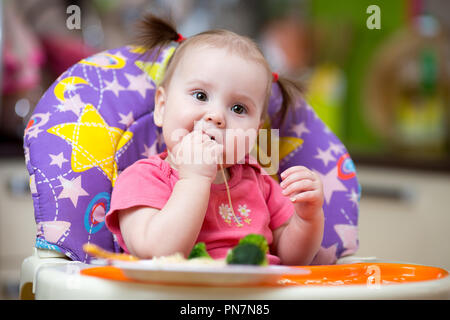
[
  {"x": 274, "y": 77},
  {"x": 180, "y": 38}
]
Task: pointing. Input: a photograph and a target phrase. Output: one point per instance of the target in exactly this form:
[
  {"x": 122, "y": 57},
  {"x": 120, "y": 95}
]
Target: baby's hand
[
  {"x": 304, "y": 189},
  {"x": 196, "y": 155}
]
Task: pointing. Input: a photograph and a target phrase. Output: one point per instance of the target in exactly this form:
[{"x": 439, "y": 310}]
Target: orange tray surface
[
  {"x": 329, "y": 275},
  {"x": 367, "y": 274}
]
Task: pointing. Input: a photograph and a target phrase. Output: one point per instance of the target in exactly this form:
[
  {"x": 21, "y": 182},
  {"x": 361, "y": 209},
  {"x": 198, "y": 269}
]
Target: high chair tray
[
  {"x": 355, "y": 281},
  {"x": 197, "y": 274}
]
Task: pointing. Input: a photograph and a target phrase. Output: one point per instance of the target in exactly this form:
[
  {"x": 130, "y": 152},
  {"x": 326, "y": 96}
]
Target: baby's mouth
[
  {"x": 215, "y": 134},
  {"x": 212, "y": 137}
]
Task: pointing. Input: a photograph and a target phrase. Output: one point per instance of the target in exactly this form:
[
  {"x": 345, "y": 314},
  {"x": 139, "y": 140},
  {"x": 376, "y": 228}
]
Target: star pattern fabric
[
  {"x": 349, "y": 237},
  {"x": 37, "y": 121},
  {"x": 68, "y": 85},
  {"x": 94, "y": 142},
  {"x": 114, "y": 86},
  {"x": 139, "y": 84},
  {"x": 53, "y": 231},
  {"x": 331, "y": 183},
  {"x": 353, "y": 197},
  {"x": 325, "y": 156},
  {"x": 106, "y": 60},
  {"x": 159, "y": 139},
  {"x": 155, "y": 70},
  {"x": 300, "y": 129},
  {"x": 127, "y": 119},
  {"x": 73, "y": 103},
  {"x": 148, "y": 151},
  {"x": 34, "y": 133},
  {"x": 325, "y": 255},
  {"x": 58, "y": 159},
  {"x": 288, "y": 145},
  {"x": 337, "y": 149},
  {"x": 72, "y": 189}
]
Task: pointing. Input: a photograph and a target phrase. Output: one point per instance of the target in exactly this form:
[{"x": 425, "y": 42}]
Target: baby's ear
[{"x": 160, "y": 102}]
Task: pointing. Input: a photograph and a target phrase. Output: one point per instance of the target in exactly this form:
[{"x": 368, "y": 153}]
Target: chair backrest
[{"x": 96, "y": 119}]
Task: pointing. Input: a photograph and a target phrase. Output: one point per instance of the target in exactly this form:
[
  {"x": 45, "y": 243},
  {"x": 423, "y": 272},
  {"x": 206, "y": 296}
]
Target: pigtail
[
  {"x": 290, "y": 91},
  {"x": 155, "y": 33}
]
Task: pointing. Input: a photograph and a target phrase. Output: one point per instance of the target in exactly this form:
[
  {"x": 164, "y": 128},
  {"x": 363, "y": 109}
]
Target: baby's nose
[{"x": 215, "y": 118}]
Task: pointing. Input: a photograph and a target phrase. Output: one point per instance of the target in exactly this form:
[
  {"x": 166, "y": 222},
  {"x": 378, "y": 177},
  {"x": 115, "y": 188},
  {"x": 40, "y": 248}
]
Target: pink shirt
[{"x": 258, "y": 204}]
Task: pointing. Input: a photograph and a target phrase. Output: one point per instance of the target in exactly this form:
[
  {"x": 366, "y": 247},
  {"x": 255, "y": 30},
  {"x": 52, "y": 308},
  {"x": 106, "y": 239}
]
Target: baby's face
[{"x": 218, "y": 92}]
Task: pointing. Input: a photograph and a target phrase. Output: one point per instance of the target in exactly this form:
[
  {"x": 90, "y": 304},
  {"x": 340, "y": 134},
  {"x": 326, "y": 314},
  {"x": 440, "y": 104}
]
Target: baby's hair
[
  {"x": 290, "y": 89},
  {"x": 156, "y": 34}
]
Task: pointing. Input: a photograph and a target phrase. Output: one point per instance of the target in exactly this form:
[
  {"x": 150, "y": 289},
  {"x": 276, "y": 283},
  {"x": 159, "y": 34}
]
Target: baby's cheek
[{"x": 173, "y": 136}]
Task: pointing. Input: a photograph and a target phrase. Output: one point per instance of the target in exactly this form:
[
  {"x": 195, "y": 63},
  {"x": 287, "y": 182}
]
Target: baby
[{"x": 215, "y": 89}]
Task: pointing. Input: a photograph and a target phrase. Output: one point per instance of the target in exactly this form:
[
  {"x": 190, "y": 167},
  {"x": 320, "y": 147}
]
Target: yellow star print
[
  {"x": 156, "y": 70},
  {"x": 286, "y": 146},
  {"x": 137, "y": 49},
  {"x": 289, "y": 144},
  {"x": 94, "y": 142}
]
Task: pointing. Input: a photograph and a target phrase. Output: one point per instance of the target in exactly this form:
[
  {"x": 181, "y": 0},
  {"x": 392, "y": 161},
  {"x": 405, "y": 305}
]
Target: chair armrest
[{"x": 31, "y": 265}]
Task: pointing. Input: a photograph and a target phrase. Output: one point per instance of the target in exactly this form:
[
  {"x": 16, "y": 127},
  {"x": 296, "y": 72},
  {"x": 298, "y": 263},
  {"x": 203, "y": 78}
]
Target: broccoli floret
[
  {"x": 251, "y": 250},
  {"x": 199, "y": 251},
  {"x": 256, "y": 239},
  {"x": 246, "y": 253}
]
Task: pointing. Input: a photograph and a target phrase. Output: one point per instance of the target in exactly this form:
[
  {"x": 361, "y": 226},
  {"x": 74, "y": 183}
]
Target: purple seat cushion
[{"x": 96, "y": 119}]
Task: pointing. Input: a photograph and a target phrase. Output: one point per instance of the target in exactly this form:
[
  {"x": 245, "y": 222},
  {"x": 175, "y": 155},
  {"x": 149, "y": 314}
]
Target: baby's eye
[
  {"x": 199, "y": 95},
  {"x": 237, "y": 108}
]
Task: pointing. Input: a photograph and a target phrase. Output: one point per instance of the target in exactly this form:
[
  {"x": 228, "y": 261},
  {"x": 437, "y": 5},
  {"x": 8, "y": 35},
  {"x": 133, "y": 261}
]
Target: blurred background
[{"x": 381, "y": 83}]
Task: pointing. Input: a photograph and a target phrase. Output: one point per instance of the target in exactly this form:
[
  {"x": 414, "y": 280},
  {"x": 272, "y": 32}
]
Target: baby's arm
[
  {"x": 148, "y": 232},
  {"x": 298, "y": 241}
]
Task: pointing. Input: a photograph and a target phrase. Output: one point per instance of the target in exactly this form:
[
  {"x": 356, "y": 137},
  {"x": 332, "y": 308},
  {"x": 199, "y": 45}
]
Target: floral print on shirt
[{"x": 241, "y": 216}]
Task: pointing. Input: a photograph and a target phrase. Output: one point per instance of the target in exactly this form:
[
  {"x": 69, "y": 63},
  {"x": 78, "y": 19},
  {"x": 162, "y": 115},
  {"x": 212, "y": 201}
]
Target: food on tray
[
  {"x": 178, "y": 258},
  {"x": 256, "y": 239},
  {"x": 199, "y": 251},
  {"x": 251, "y": 249},
  {"x": 98, "y": 252}
]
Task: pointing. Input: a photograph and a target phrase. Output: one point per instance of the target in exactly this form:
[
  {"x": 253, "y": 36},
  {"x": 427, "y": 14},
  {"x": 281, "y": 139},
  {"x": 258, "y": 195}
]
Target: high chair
[{"x": 97, "y": 119}]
